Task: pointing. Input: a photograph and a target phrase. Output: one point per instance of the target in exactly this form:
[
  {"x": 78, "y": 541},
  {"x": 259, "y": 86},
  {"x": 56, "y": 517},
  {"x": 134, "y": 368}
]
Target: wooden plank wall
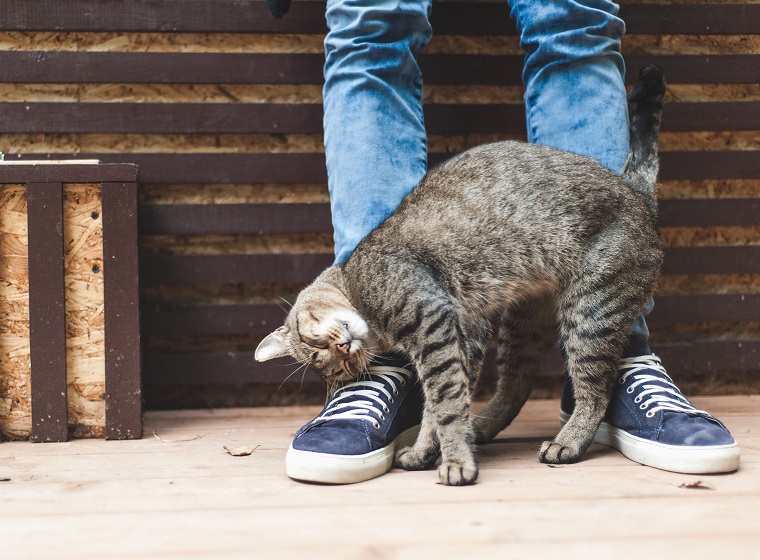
[{"x": 220, "y": 106}]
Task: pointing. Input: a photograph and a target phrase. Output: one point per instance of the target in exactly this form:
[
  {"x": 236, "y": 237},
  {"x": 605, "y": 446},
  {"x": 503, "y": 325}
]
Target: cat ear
[{"x": 275, "y": 345}]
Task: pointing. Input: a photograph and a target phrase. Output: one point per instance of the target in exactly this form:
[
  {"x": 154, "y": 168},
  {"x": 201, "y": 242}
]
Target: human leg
[
  {"x": 375, "y": 143},
  {"x": 375, "y": 147},
  {"x": 575, "y": 100}
]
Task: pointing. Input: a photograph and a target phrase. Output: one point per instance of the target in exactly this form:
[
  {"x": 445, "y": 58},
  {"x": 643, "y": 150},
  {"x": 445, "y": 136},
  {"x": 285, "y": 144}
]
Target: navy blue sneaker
[
  {"x": 651, "y": 422},
  {"x": 356, "y": 435}
]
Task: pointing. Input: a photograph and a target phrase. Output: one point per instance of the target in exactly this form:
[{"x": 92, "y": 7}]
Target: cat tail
[{"x": 643, "y": 162}]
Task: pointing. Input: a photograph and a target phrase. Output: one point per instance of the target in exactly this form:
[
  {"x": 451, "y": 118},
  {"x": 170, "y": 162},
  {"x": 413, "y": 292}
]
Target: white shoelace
[
  {"x": 376, "y": 394},
  {"x": 664, "y": 395}
]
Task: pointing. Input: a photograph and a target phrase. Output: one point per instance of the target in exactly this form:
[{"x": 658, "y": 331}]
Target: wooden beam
[
  {"x": 232, "y": 269},
  {"x": 710, "y": 212},
  {"x": 289, "y": 168},
  {"x": 300, "y": 68},
  {"x": 712, "y": 260},
  {"x": 710, "y": 355},
  {"x": 74, "y": 172},
  {"x": 164, "y": 320},
  {"x": 306, "y": 118},
  {"x": 122, "y": 311},
  {"x": 220, "y": 219},
  {"x": 252, "y": 16},
  {"x": 47, "y": 314},
  {"x": 707, "y": 308}
]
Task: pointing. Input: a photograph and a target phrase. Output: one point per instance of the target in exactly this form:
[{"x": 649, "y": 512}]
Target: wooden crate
[{"x": 69, "y": 310}]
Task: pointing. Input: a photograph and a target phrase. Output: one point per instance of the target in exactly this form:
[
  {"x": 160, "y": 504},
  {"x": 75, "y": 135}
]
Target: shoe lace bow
[
  {"x": 367, "y": 398},
  {"x": 656, "y": 390}
]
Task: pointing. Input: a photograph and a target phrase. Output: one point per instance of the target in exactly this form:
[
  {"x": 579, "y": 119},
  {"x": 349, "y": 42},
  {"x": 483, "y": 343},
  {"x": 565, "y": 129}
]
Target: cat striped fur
[{"x": 534, "y": 240}]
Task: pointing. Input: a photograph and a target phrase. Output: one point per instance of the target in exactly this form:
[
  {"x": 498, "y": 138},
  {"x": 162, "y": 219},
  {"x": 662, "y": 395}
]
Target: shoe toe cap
[
  {"x": 685, "y": 429},
  {"x": 335, "y": 439}
]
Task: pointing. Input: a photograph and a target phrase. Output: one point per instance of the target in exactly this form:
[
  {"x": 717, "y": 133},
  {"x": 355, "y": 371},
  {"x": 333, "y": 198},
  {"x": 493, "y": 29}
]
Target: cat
[{"x": 535, "y": 239}]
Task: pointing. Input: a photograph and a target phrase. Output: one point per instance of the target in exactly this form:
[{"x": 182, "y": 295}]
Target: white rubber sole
[
  {"x": 309, "y": 466},
  {"x": 711, "y": 459}
]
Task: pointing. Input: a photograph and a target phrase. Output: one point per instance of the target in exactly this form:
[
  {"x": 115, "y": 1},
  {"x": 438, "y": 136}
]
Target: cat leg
[
  {"x": 526, "y": 331},
  {"x": 441, "y": 362},
  {"x": 595, "y": 315}
]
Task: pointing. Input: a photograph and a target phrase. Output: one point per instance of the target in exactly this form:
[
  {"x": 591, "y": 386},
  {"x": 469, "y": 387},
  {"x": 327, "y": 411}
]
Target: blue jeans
[{"x": 375, "y": 141}]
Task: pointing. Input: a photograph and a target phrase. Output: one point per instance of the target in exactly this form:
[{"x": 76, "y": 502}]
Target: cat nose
[{"x": 343, "y": 348}]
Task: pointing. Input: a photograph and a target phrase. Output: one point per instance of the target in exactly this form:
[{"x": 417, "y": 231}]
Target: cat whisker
[
  {"x": 303, "y": 365},
  {"x": 283, "y": 307}
]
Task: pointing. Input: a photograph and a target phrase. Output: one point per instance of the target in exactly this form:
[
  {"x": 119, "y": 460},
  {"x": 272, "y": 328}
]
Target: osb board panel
[
  {"x": 15, "y": 389},
  {"x": 85, "y": 350},
  {"x": 85, "y": 330}
]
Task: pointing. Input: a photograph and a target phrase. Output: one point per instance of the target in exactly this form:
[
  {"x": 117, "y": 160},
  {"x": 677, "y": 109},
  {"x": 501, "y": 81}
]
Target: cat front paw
[
  {"x": 413, "y": 459},
  {"x": 457, "y": 474},
  {"x": 555, "y": 453}
]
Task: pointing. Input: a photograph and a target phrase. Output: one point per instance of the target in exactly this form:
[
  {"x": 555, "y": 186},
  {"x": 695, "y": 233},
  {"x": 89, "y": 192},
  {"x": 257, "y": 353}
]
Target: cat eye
[{"x": 315, "y": 343}]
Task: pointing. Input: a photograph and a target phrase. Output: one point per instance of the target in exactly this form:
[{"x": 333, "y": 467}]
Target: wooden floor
[{"x": 178, "y": 494}]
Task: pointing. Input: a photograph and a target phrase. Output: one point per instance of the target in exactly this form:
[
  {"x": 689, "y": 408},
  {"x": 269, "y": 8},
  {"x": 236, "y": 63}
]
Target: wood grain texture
[{"x": 202, "y": 502}]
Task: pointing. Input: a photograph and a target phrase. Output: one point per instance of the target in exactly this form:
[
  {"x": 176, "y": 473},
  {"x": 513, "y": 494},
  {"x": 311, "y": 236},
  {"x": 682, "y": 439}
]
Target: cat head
[{"x": 324, "y": 331}]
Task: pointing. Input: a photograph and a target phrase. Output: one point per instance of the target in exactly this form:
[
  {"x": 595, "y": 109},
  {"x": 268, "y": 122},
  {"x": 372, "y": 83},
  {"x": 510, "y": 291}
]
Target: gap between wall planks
[{"x": 76, "y": 343}]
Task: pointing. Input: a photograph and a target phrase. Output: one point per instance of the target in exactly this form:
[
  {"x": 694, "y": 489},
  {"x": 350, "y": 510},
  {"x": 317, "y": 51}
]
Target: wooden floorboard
[{"x": 177, "y": 494}]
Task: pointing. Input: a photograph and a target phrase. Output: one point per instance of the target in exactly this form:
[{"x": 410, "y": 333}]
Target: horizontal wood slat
[
  {"x": 237, "y": 118},
  {"x": 220, "y": 368},
  {"x": 211, "y": 319},
  {"x": 302, "y": 268},
  {"x": 261, "y": 318},
  {"x": 712, "y": 260},
  {"x": 74, "y": 172},
  {"x": 713, "y": 355},
  {"x": 246, "y": 219},
  {"x": 289, "y": 168},
  {"x": 737, "y": 212},
  {"x": 282, "y": 168},
  {"x": 268, "y": 218},
  {"x": 239, "y": 16},
  {"x": 698, "y": 308},
  {"x": 232, "y": 269},
  {"x": 247, "y": 68}
]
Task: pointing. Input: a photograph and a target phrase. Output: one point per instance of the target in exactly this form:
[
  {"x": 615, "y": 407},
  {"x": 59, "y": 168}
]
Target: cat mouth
[{"x": 351, "y": 367}]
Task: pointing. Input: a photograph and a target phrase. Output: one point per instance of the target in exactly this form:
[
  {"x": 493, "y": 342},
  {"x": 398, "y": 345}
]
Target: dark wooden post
[
  {"x": 47, "y": 316},
  {"x": 122, "y": 311}
]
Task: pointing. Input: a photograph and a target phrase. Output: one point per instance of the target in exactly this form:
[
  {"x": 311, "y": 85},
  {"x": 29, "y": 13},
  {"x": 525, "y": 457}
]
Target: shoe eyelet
[
  {"x": 644, "y": 406},
  {"x": 395, "y": 392},
  {"x": 382, "y": 418},
  {"x": 650, "y": 414},
  {"x": 403, "y": 383},
  {"x": 390, "y": 400},
  {"x": 629, "y": 390},
  {"x": 621, "y": 381},
  {"x": 386, "y": 409},
  {"x": 637, "y": 400},
  {"x": 376, "y": 425}
]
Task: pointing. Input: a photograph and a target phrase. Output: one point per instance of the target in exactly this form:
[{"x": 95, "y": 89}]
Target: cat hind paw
[
  {"x": 412, "y": 459},
  {"x": 555, "y": 453}
]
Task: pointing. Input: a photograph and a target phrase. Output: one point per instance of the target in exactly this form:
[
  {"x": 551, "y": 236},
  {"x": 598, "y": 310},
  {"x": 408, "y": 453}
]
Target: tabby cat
[{"x": 528, "y": 237}]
